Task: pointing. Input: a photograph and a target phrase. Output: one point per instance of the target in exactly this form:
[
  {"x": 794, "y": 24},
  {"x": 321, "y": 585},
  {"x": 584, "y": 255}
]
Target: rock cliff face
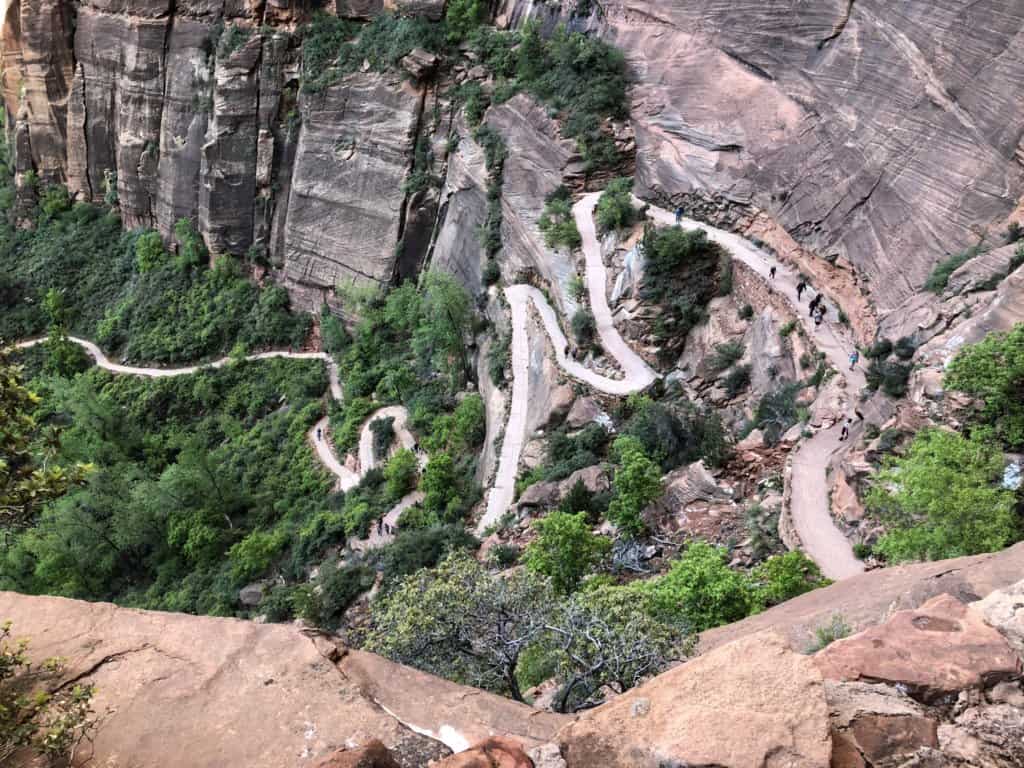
[
  {"x": 881, "y": 136},
  {"x": 937, "y": 683}
]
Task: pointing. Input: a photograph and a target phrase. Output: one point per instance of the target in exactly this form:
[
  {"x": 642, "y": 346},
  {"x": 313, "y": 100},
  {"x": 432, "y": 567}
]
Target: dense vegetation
[
  {"x": 130, "y": 294},
  {"x": 946, "y": 495},
  {"x": 198, "y": 484}
]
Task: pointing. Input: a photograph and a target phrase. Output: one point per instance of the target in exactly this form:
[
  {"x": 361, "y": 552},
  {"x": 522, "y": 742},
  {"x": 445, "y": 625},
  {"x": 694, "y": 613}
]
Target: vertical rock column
[{"x": 228, "y": 171}]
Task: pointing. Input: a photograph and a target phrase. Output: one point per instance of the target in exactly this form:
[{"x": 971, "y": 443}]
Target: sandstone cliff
[{"x": 931, "y": 677}]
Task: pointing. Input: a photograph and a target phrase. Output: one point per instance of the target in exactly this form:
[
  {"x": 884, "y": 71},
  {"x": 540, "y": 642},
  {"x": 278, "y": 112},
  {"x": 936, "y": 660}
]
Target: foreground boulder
[
  {"x": 495, "y": 752},
  {"x": 746, "y": 705},
  {"x": 939, "y": 649}
]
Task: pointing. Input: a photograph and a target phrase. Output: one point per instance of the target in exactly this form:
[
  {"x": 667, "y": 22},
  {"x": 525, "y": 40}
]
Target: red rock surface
[
  {"x": 495, "y": 752},
  {"x": 941, "y": 648}
]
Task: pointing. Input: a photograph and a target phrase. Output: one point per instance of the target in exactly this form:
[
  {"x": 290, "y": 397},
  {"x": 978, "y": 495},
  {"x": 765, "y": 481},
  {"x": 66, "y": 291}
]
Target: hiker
[
  {"x": 813, "y": 305},
  {"x": 679, "y": 215},
  {"x": 800, "y": 289},
  {"x": 845, "y": 433},
  {"x": 854, "y": 357},
  {"x": 318, "y": 434},
  {"x": 771, "y": 272}
]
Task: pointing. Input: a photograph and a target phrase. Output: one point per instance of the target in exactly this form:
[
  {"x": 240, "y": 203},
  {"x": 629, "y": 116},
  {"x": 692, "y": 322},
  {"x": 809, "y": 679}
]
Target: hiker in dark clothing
[
  {"x": 771, "y": 272},
  {"x": 800, "y": 289},
  {"x": 813, "y": 305}
]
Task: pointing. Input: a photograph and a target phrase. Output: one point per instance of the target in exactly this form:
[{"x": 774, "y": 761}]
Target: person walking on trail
[
  {"x": 679, "y": 215},
  {"x": 854, "y": 358},
  {"x": 771, "y": 272},
  {"x": 813, "y": 305},
  {"x": 845, "y": 433},
  {"x": 800, "y": 289}
]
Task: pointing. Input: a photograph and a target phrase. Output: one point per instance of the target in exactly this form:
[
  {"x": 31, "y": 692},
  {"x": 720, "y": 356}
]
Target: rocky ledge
[{"x": 933, "y": 679}]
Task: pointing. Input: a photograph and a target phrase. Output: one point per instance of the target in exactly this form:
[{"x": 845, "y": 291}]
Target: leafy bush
[
  {"x": 737, "y": 380},
  {"x": 993, "y": 371},
  {"x": 36, "y": 720},
  {"x": 943, "y": 499},
  {"x": 565, "y": 550},
  {"x": 776, "y": 413},
  {"x": 725, "y": 354},
  {"x": 825, "y": 635},
  {"x": 615, "y": 206},
  {"x": 939, "y": 278},
  {"x": 636, "y": 484},
  {"x": 558, "y": 224},
  {"x": 584, "y": 327}
]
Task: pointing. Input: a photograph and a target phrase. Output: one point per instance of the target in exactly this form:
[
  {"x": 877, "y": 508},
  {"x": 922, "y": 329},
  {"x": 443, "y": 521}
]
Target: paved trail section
[
  {"x": 821, "y": 539},
  {"x": 318, "y": 435}
]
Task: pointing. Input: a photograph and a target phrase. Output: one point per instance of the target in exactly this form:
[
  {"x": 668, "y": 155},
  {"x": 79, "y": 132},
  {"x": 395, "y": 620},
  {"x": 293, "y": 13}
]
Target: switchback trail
[
  {"x": 821, "y": 540},
  {"x": 346, "y": 478}
]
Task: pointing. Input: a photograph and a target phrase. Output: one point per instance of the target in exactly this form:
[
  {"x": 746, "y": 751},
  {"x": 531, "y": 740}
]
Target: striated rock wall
[
  {"x": 881, "y": 135},
  {"x": 191, "y": 109}
]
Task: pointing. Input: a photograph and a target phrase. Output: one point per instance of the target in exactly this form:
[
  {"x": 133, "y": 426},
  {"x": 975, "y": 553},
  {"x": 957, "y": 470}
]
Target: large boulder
[
  {"x": 749, "y": 704},
  {"x": 495, "y": 752},
  {"x": 939, "y": 649},
  {"x": 866, "y": 599},
  {"x": 1004, "y": 610}
]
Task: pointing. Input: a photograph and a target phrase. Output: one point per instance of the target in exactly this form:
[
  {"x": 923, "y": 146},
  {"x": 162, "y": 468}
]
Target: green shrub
[
  {"x": 558, "y": 224},
  {"x": 615, "y": 206},
  {"x": 584, "y": 327},
  {"x": 737, "y": 380},
  {"x": 939, "y": 278},
  {"x": 565, "y": 550},
  {"x": 776, "y": 413},
  {"x": 725, "y": 354},
  {"x": 825, "y": 635},
  {"x": 943, "y": 499}
]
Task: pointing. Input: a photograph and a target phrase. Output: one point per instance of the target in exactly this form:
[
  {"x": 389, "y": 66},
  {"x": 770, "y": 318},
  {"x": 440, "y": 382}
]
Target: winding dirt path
[{"x": 318, "y": 435}]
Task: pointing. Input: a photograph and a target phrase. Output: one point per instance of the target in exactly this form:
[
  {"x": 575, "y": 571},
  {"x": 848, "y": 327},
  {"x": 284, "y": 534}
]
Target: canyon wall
[{"x": 882, "y": 136}]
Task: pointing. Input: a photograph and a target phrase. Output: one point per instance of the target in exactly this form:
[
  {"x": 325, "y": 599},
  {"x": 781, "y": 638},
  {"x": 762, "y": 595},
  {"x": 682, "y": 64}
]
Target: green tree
[
  {"x": 782, "y": 577},
  {"x": 29, "y": 474},
  {"x": 993, "y": 370},
  {"x": 701, "y": 589},
  {"x": 462, "y": 17},
  {"x": 440, "y": 491},
  {"x": 149, "y": 251},
  {"x": 446, "y": 321},
  {"x": 636, "y": 484},
  {"x": 615, "y": 206},
  {"x": 64, "y": 357},
  {"x": 37, "y": 714},
  {"x": 565, "y": 550},
  {"x": 943, "y": 499},
  {"x": 400, "y": 473}
]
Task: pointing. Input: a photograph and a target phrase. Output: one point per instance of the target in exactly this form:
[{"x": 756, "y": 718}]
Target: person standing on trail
[
  {"x": 854, "y": 358},
  {"x": 845, "y": 433},
  {"x": 679, "y": 215},
  {"x": 800, "y": 289},
  {"x": 771, "y": 272}
]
